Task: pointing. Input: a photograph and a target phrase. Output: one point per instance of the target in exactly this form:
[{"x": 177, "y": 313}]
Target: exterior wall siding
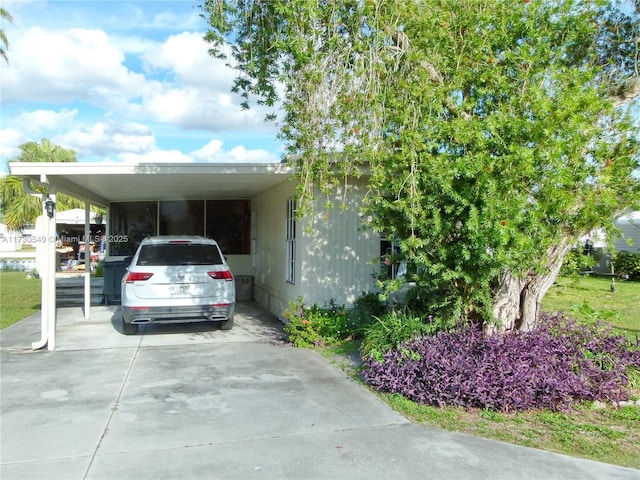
[
  {"x": 337, "y": 252},
  {"x": 270, "y": 288},
  {"x": 332, "y": 258}
]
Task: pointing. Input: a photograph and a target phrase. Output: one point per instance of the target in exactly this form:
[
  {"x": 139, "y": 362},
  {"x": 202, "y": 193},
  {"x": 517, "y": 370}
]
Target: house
[
  {"x": 248, "y": 208},
  {"x": 629, "y": 225}
]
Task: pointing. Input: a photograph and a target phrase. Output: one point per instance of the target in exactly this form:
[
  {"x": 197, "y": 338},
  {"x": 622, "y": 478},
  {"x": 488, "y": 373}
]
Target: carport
[{"x": 103, "y": 184}]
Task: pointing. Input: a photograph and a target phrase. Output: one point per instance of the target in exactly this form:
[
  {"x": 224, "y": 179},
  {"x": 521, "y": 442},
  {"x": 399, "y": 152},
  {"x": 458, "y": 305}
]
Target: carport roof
[{"x": 101, "y": 183}]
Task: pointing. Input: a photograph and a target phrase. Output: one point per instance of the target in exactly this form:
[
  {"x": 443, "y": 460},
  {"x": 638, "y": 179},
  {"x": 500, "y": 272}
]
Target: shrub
[
  {"x": 99, "y": 270},
  {"x": 367, "y": 307},
  {"x": 554, "y": 366},
  {"x": 394, "y": 328},
  {"x": 314, "y": 326},
  {"x": 628, "y": 263}
]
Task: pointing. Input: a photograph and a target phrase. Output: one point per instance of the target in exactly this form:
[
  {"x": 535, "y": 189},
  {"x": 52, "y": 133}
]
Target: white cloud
[
  {"x": 105, "y": 139},
  {"x": 10, "y": 141},
  {"x": 200, "y": 97},
  {"x": 213, "y": 152},
  {"x": 193, "y": 108},
  {"x": 66, "y": 65},
  {"x": 209, "y": 151},
  {"x": 38, "y": 121},
  {"x": 187, "y": 55}
]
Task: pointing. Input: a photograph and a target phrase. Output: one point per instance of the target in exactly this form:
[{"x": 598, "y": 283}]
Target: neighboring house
[
  {"x": 9, "y": 240},
  {"x": 629, "y": 224},
  {"x": 248, "y": 208},
  {"x": 629, "y": 241}
]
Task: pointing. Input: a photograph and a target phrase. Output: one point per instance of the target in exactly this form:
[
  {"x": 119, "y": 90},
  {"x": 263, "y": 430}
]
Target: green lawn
[
  {"x": 19, "y": 297},
  {"x": 590, "y": 299}
]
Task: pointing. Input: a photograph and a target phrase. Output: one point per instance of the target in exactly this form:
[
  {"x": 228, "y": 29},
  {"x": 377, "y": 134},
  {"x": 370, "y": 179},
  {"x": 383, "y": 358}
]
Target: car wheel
[
  {"x": 227, "y": 324},
  {"x": 129, "y": 328}
]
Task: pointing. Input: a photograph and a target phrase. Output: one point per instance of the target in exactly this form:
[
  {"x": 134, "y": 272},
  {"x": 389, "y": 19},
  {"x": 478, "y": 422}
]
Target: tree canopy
[
  {"x": 19, "y": 208},
  {"x": 495, "y": 133}
]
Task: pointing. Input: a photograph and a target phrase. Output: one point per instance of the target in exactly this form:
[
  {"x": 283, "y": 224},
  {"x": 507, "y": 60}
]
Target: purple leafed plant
[{"x": 554, "y": 366}]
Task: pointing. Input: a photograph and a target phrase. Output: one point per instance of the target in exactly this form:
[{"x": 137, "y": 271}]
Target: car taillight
[
  {"x": 138, "y": 277},
  {"x": 222, "y": 275}
]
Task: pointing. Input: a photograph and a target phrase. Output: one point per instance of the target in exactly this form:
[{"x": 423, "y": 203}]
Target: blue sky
[{"x": 123, "y": 81}]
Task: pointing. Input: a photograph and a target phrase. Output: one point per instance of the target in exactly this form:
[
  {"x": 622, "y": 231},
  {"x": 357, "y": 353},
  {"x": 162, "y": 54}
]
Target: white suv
[{"x": 177, "y": 279}]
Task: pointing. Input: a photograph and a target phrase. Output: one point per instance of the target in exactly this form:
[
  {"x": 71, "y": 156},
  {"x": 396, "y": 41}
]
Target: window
[
  {"x": 393, "y": 263},
  {"x": 290, "y": 267},
  {"x": 182, "y": 217},
  {"x": 228, "y": 222},
  {"x": 129, "y": 224}
]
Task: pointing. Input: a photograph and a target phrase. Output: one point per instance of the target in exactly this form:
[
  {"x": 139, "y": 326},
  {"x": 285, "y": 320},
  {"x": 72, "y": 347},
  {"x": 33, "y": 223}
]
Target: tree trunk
[{"x": 516, "y": 304}]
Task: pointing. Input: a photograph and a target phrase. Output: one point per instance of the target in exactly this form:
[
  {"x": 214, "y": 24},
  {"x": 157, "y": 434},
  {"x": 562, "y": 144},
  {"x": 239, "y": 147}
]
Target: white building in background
[
  {"x": 9, "y": 240},
  {"x": 629, "y": 224}
]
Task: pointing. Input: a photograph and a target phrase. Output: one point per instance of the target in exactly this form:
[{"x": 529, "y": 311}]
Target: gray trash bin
[{"x": 244, "y": 288}]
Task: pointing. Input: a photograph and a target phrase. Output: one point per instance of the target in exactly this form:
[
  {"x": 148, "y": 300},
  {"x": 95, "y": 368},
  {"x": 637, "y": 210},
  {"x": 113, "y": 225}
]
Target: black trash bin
[{"x": 113, "y": 269}]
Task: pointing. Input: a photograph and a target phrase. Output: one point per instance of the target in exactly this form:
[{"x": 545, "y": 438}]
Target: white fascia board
[{"x": 59, "y": 168}]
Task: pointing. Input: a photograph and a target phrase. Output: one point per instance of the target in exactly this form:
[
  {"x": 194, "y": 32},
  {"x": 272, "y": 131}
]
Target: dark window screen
[
  {"x": 174, "y": 255},
  {"x": 229, "y": 223}
]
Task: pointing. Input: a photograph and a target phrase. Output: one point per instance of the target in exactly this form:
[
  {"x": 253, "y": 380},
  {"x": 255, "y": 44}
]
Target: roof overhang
[{"x": 102, "y": 183}]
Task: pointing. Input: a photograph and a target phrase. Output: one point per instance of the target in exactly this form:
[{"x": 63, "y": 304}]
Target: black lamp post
[{"x": 50, "y": 207}]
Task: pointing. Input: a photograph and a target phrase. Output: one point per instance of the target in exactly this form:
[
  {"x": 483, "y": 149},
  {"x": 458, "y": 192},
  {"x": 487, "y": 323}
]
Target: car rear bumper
[{"x": 175, "y": 314}]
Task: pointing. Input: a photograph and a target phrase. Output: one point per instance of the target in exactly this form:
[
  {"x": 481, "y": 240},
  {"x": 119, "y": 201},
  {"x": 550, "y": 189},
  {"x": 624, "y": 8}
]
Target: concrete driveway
[{"x": 194, "y": 402}]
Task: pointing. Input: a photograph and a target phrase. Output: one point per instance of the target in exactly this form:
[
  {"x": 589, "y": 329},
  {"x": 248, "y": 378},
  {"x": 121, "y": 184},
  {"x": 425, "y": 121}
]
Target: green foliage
[
  {"x": 489, "y": 130},
  {"x": 315, "y": 326},
  {"x": 633, "y": 373},
  {"x": 4, "y": 42},
  {"x": 99, "y": 270},
  {"x": 589, "y": 299},
  {"x": 576, "y": 262},
  {"x": 365, "y": 309},
  {"x": 628, "y": 263},
  {"x": 438, "y": 302},
  {"x": 19, "y": 208},
  {"x": 392, "y": 329},
  {"x": 591, "y": 315}
]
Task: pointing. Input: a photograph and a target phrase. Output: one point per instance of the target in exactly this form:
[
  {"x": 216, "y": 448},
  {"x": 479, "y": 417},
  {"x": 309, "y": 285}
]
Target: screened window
[
  {"x": 291, "y": 241},
  {"x": 130, "y": 223},
  {"x": 228, "y": 222},
  {"x": 182, "y": 217}
]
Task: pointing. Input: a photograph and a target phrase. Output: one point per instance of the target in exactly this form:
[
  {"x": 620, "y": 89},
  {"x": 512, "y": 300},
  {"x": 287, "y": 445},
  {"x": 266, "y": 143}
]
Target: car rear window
[{"x": 174, "y": 255}]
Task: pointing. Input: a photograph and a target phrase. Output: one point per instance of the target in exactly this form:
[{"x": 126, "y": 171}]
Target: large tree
[
  {"x": 495, "y": 133},
  {"x": 19, "y": 208}
]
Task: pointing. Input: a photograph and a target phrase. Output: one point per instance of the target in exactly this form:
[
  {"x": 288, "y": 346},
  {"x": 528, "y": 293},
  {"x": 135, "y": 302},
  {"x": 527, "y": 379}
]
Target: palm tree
[
  {"x": 4, "y": 42},
  {"x": 19, "y": 208}
]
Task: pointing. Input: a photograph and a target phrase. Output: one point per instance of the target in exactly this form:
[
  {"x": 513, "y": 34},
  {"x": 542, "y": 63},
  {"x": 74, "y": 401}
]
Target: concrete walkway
[{"x": 193, "y": 402}]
